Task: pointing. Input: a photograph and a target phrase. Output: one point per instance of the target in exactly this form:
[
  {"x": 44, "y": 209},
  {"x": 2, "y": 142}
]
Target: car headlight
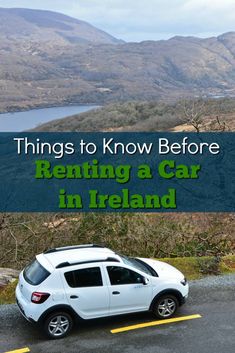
[{"x": 184, "y": 281}]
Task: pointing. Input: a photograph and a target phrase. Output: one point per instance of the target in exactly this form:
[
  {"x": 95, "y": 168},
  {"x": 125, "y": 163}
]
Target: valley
[{"x": 48, "y": 59}]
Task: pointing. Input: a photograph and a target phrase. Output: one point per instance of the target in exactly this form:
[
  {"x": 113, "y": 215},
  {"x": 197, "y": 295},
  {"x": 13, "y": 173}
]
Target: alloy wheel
[
  {"x": 166, "y": 307},
  {"x": 58, "y": 325}
]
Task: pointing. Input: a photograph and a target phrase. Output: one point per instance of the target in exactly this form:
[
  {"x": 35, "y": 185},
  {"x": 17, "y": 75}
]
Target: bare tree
[
  {"x": 193, "y": 113},
  {"x": 218, "y": 125},
  {"x": 197, "y": 114}
]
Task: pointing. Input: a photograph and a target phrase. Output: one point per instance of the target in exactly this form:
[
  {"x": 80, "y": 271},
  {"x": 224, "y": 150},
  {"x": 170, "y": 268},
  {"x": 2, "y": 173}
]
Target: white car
[{"x": 91, "y": 281}]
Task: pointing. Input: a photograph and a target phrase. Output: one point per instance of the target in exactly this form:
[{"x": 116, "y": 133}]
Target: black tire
[
  {"x": 58, "y": 324},
  {"x": 165, "y": 306}
]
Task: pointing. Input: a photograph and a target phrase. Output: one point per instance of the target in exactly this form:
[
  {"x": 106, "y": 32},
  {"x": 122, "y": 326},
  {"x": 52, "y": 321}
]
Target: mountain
[
  {"x": 51, "y": 59},
  {"x": 40, "y": 25}
]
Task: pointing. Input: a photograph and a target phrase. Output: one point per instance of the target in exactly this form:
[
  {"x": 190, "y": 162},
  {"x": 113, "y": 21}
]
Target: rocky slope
[{"x": 7, "y": 275}]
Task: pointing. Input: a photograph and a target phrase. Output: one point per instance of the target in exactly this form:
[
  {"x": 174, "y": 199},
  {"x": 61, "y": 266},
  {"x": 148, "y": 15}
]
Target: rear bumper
[
  {"x": 25, "y": 307},
  {"x": 23, "y": 313}
]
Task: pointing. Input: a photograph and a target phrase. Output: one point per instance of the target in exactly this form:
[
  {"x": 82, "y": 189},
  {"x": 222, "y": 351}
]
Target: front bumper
[{"x": 183, "y": 301}]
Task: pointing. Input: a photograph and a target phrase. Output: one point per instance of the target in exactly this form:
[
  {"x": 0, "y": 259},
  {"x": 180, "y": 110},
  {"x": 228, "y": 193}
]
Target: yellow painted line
[
  {"x": 22, "y": 350},
  {"x": 155, "y": 323}
]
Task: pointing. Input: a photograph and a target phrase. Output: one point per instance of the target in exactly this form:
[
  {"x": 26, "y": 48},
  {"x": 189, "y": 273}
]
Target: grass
[
  {"x": 7, "y": 295},
  {"x": 192, "y": 267},
  {"x": 199, "y": 267}
]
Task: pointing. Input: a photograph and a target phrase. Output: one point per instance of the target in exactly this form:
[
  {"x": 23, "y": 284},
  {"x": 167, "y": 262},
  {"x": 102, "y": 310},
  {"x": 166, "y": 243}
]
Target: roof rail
[
  {"x": 65, "y": 248},
  {"x": 67, "y": 264}
]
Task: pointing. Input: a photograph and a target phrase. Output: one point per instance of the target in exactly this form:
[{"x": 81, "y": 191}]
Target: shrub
[{"x": 209, "y": 265}]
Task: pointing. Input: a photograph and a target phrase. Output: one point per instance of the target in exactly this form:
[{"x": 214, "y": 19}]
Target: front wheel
[
  {"x": 165, "y": 307},
  {"x": 58, "y": 325}
]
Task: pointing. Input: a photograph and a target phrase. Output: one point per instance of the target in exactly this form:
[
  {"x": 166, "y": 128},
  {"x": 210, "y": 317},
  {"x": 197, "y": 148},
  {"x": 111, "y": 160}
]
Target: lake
[{"x": 21, "y": 121}]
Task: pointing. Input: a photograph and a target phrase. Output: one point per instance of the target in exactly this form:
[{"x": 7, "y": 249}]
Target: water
[{"x": 21, "y": 121}]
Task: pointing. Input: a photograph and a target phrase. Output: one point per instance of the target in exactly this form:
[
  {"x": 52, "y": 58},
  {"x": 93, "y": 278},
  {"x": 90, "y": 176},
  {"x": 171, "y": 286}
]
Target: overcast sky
[{"x": 137, "y": 20}]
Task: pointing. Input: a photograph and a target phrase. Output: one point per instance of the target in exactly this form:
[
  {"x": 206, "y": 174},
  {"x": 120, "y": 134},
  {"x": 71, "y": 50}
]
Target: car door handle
[
  {"x": 116, "y": 293},
  {"x": 74, "y": 297}
]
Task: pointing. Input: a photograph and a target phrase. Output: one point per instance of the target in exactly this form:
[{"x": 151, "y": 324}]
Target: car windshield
[
  {"x": 35, "y": 273},
  {"x": 139, "y": 265}
]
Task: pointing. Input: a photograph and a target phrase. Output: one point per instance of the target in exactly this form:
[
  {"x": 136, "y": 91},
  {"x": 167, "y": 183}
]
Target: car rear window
[
  {"x": 35, "y": 273},
  {"x": 87, "y": 277}
]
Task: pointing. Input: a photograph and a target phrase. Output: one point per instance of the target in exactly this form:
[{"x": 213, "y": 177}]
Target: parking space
[
  {"x": 104, "y": 326},
  {"x": 213, "y": 299}
]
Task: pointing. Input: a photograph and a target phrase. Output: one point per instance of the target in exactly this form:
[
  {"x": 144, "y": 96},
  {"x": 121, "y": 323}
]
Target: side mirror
[{"x": 145, "y": 281}]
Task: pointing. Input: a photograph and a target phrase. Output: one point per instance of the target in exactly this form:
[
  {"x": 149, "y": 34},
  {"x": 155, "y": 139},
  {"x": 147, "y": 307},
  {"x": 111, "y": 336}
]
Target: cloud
[{"x": 136, "y": 20}]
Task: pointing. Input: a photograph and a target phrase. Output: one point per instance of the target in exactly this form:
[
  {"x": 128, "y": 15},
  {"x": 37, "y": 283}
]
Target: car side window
[
  {"x": 122, "y": 275},
  {"x": 86, "y": 277}
]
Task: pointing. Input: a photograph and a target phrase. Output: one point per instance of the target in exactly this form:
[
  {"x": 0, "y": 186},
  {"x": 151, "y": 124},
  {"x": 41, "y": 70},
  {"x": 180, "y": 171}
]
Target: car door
[
  {"x": 86, "y": 291},
  {"x": 128, "y": 292}
]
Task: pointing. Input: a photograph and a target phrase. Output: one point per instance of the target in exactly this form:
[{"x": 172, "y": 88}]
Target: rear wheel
[
  {"x": 165, "y": 306},
  {"x": 58, "y": 325}
]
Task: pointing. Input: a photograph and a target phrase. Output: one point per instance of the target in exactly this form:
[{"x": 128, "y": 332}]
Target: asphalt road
[{"x": 213, "y": 298}]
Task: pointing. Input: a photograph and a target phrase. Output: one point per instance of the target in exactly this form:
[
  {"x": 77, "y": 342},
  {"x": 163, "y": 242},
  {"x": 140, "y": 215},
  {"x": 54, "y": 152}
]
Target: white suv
[{"x": 91, "y": 281}]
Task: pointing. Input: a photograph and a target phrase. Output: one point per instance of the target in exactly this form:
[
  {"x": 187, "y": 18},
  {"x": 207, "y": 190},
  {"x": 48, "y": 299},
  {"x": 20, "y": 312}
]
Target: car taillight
[{"x": 39, "y": 298}]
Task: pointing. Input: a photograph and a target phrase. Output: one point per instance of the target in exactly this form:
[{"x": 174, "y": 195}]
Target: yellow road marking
[
  {"x": 22, "y": 350},
  {"x": 155, "y": 323}
]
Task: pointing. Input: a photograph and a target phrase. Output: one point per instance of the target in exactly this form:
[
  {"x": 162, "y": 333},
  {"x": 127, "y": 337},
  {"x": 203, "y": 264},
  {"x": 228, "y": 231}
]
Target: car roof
[{"x": 62, "y": 257}]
